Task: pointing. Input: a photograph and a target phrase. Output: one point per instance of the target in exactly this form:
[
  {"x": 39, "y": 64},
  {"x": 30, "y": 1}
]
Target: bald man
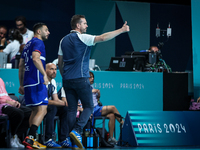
[{"x": 56, "y": 107}]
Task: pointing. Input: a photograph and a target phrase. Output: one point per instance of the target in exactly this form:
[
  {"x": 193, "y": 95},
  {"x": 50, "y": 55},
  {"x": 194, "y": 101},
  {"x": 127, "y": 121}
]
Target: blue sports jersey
[
  {"x": 35, "y": 90},
  {"x": 32, "y": 75}
]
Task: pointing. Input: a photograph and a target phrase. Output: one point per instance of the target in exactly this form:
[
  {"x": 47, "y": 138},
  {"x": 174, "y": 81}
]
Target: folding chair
[{"x": 103, "y": 121}]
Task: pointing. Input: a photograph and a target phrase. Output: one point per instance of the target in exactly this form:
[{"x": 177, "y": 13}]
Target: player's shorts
[
  {"x": 36, "y": 95},
  {"x": 97, "y": 110}
]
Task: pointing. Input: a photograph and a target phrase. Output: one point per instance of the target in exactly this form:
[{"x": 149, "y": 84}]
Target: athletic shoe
[
  {"x": 16, "y": 139},
  {"x": 112, "y": 140},
  {"x": 29, "y": 147},
  {"x": 77, "y": 138},
  {"x": 51, "y": 144},
  {"x": 30, "y": 142},
  {"x": 75, "y": 147},
  {"x": 13, "y": 143},
  {"x": 66, "y": 143}
]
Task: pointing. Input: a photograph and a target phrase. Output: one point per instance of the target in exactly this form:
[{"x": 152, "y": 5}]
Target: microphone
[{"x": 132, "y": 54}]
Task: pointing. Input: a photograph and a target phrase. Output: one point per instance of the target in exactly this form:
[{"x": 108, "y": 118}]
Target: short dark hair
[
  {"x": 37, "y": 26},
  {"x": 22, "y": 19},
  {"x": 76, "y": 19}
]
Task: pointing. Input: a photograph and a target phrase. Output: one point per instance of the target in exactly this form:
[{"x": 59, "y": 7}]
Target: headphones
[{"x": 11, "y": 34}]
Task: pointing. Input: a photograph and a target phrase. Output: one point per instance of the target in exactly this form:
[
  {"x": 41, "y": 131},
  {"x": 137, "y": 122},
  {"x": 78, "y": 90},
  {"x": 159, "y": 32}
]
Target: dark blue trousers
[
  {"x": 78, "y": 89},
  {"x": 53, "y": 111}
]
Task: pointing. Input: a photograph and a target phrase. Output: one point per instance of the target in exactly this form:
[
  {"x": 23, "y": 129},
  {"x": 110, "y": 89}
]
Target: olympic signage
[{"x": 161, "y": 128}]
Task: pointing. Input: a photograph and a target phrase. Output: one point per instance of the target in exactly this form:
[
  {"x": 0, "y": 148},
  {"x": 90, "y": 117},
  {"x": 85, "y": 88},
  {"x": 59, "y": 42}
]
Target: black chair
[
  {"x": 103, "y": 118},
  {"x": 4, "y": 120}
]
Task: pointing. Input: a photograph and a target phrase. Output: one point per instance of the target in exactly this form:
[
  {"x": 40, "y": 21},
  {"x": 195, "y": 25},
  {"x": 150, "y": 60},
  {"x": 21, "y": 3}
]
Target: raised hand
[{"x": 125, "y": 27}]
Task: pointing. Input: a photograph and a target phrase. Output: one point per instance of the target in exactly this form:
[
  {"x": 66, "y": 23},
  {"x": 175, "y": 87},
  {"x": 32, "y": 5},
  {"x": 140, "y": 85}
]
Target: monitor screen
[
  {"x": 127, "y": 63},
  {"x": 150, "y": 57}
]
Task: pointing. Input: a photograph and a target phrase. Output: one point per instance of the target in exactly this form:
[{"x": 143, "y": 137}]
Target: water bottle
[
  {"x": 85, "y": 138},
  {"x": 91, "y": 139}
]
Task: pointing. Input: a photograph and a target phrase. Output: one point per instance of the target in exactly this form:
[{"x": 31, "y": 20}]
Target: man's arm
[
  {"x": 56, "y": 101},
  {"x": 60, "y": 64},
  {"x": 21, "y": 75},
  {"x": 64, "y": 100},
  {"x": 110, "y": 35},
  {"x": 38, "y": 64}
]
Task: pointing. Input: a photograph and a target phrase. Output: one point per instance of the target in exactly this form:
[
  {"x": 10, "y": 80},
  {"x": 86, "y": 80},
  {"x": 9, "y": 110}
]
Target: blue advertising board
[{"x": 161, "y": 128}]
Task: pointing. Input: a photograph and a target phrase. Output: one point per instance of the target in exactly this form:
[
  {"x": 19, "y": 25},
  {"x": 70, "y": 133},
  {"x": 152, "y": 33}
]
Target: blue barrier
[
  {"x": 161, "y": 128},
  {"x": 125, "y": 90}
]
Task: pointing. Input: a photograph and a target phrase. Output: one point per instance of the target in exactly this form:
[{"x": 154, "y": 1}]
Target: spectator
[
  {"x": 25, "y": 32},
  {"x": 18, "y": 116},
  {"x": 13, "y": 47},
  {"x": 3, "y": 31},
  {"x": 108, "y": 111}
]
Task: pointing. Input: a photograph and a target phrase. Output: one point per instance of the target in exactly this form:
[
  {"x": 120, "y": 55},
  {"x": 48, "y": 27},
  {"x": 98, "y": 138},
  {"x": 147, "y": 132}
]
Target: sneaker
[
  {"x": 30, "y": 142},
  {"x": 77, "y": 138},
  {"x": 29, "y": 147},
  {"x": 75, "y": 147},
  {"x": 13, "y": 143},
  {"x": 16, "y": 139},
  {"x": 51, "y": 144},
  {"x": 112, "y": 140},
  {"x": 66, "y": 143}
]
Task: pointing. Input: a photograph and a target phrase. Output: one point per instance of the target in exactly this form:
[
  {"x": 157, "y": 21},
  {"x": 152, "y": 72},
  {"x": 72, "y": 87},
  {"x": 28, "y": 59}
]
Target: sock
[{"x": 33, "y": 130}]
